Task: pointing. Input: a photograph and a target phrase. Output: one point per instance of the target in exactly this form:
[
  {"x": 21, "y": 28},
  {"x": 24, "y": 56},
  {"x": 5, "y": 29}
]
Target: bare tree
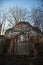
[
  {"x": 2, "y": 21},
  {"x": 2, "y": 17},
  {"x": 17, "y": 15},
  {"x": 37, "y": 17}
]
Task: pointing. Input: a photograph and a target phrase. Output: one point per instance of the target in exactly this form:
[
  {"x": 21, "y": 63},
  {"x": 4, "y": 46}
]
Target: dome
[{"x": 22, "y": 26}]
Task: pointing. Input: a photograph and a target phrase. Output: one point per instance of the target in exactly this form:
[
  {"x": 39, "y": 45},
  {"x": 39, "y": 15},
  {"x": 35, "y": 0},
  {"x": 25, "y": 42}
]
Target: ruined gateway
[{"x": 20, "y": 34}]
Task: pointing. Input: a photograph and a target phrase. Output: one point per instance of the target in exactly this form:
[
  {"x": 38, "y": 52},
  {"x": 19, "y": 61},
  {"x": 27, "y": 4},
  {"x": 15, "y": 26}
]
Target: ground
[{"x": 20, "y": 60}]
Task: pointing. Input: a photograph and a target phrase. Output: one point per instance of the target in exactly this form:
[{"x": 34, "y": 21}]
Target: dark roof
[
  {"x": 36, "y": 29},
  {"x": 23, "y": 23},
  {"x": 18, "y": 25},
  {"x": 8, "y": 30}
]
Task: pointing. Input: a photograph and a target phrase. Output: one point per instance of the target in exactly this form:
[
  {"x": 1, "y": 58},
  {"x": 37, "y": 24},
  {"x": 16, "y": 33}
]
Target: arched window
[{"x": 21, "y": 38}]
